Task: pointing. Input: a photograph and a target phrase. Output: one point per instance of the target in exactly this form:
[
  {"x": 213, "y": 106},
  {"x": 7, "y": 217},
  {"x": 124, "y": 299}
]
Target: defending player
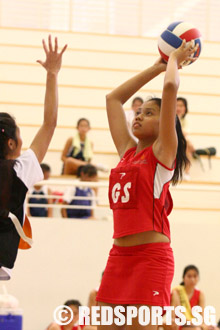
[{"x": 19, "y": 172}]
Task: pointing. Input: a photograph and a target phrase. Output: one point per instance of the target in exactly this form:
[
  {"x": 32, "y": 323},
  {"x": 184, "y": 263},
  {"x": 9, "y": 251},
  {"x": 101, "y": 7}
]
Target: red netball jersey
[
  {"x": 194, "y": 301},
  {"x": 139, "y": 194}
]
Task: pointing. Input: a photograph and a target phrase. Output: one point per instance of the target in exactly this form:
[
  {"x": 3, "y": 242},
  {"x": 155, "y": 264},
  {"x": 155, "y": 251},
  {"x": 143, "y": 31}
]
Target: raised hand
[
  {"x": 160, "y": 63},
  {"x": 53, "y": 59},
  {"x": 184, "y": 53}
]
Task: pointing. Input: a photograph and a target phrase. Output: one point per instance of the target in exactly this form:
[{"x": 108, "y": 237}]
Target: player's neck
[
  {"x": 189, "y": 289},
  {"x": 143, "y": 144},
  {"x": 82, "y": 137}
]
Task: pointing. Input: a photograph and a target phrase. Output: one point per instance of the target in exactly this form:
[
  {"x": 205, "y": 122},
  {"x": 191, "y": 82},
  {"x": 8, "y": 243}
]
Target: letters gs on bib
[{"x": 123, "y": 188}]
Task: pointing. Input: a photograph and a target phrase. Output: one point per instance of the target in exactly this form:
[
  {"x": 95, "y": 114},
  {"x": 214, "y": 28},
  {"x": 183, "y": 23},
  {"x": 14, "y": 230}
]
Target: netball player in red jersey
[
  {"x": 188, "y": 295},
  {"x": 140, "y": 267}
]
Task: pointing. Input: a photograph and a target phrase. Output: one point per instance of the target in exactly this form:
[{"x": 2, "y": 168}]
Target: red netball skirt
[{"x": 139, "y": 274}]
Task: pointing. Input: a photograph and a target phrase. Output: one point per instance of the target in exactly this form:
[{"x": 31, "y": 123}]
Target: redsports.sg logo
[{"x": 106, "y": 315}]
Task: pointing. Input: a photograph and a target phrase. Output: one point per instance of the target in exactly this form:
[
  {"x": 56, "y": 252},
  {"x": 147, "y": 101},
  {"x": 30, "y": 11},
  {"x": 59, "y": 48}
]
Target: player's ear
[{"x": 11, "y": 144}]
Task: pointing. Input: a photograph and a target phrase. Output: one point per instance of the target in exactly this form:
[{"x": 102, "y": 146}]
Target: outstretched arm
[
  {"x": 52, "y": 65},
  {"x": 116, "y": 116},
  {"x": 165, "y": 147}
]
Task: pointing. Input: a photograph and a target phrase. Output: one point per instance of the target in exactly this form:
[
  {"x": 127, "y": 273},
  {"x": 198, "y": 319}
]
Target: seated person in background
[
  {"x": 40, "y": 190},
  {"x": 135, "y": 106},
  {"x": 78, "y": 150},
  {"x": 73, "y": 325},
  {"x": 93, "y": 294},
  {"x": 87, "y": 173},
  {"x": 186, "y": 294},
  {"x": 181, "y": 111}
]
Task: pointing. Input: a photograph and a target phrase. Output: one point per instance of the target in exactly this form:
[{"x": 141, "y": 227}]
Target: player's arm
[
  {"x": 63, "y": 211},
  {"x": 175, "y": 301},
  {"x": 165, "y": 147},
  {"x": 92, "y": 298},
  {"x": 50, "y": 201},
  {"x": 201, "y": 303},
  {"x": 92, "y": 216},
  {"x": 52, "y": 65},
  {"x": 28, "y": 211},
  {"x": 67, "y": 198},
  {"x": 202, "y": 300},
  {"x": 175, "y": 298},
  {"x": 92, "y": 146},
  {"x": 115, "y": 100}
]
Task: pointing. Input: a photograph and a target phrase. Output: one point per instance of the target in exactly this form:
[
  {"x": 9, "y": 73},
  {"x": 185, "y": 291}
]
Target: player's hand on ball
[
  {"x": 184, "y": 53},
  {"x": 160, "y": 63},
  {"x": 53, "y": 59}
]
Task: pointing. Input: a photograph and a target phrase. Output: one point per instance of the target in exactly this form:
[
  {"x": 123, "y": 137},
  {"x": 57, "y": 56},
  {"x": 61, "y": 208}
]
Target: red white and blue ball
[{"x": 173, "y": 36}]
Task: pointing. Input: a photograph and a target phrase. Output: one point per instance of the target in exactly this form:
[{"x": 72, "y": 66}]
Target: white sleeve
[
  {"x": 28, "y": 168},
  {"x": 69, "y": 194}
]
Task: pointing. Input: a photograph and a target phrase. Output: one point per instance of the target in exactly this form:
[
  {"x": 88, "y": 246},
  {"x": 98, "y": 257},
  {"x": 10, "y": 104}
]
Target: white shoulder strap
[{"x": 19, "y": 229}]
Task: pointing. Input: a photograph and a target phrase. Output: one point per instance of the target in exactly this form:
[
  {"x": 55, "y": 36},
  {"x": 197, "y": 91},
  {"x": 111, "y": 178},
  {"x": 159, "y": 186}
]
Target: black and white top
[{"x": 24, "y": 173}]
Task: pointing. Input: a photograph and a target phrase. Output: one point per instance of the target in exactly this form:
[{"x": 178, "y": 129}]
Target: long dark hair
[
  {"x": 7, "y": 131},
  {"x": 181, "y": 159},
  {"x": 188, "y": 268}
]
